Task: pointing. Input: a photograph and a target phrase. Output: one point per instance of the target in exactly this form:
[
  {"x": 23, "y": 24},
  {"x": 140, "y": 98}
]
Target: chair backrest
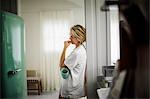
[{"x": 32, "y": 73}]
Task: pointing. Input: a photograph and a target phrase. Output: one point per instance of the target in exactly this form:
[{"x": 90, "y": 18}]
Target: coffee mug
[{"x": 65, "y": 72}]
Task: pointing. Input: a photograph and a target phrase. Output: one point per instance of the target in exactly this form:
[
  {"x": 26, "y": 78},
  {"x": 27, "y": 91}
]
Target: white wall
[
  {"x": 101, "y": 36},
  {"x": 32, "y": 39},
  {"x": 29, "y": 6},
  {"x": 30, "y": 11},
  {"x": 19, "y": 7},
  {"x": 96, "y": 43},
  {"x": 91, "y": 48},
  {"x": 100, "y": 50}
]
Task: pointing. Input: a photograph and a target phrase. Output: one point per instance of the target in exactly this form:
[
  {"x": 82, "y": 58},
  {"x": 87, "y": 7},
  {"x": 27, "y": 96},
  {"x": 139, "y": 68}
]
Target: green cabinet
[{"x": 13, "y": 75}]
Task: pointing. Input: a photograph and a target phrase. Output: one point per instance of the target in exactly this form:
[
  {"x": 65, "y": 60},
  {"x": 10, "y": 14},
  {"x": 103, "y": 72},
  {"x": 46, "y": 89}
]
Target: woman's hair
[{"x": 79, "y": 32}]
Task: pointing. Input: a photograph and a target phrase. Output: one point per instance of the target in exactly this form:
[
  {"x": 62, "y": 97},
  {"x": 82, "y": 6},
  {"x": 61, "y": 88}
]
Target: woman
[{"x": 73, "y": 86}]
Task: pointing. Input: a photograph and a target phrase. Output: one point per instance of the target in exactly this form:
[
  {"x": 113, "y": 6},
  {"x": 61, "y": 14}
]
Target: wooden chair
[{"x": 33, "y": 82}]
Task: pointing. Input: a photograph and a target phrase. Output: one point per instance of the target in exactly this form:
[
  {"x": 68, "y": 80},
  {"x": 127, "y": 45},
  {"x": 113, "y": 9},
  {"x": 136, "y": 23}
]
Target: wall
[
  {"x": 32, "y": 39},
  {"x": 96, "y": 43},
  {"x": 101, "y": 36},
  {"x": 99, "y": 41},
  {"x": 91, "y": 48},
  {"x": 29, "y": 6},
  {"x": 30, "y": 11}
]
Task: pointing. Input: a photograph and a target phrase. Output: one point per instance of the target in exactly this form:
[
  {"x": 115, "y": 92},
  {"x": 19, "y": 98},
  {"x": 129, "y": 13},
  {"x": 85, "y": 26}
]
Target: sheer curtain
[{"x": 55, "y": 28}]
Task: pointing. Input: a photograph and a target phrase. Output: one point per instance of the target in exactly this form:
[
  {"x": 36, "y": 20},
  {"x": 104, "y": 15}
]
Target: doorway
[{"x": 47, "y": 25}]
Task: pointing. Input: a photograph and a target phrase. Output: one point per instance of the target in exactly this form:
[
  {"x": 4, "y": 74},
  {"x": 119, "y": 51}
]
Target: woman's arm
[{"x": 62, "y": 59}]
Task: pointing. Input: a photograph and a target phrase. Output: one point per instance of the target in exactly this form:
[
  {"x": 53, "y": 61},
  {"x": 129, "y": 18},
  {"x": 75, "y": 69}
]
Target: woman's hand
[
  {"x": 62, "y": 59},
  {"x": 66, "y": 44}
]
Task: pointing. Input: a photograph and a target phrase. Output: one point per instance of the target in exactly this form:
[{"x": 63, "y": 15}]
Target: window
[{"x": 113, "y": 35}]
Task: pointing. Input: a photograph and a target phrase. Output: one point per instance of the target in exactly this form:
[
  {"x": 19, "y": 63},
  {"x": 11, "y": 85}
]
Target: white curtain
[{"x": 55, "y": 28}]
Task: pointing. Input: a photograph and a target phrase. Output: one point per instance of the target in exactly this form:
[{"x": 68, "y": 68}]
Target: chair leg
[{"x": 39, "y": 88}]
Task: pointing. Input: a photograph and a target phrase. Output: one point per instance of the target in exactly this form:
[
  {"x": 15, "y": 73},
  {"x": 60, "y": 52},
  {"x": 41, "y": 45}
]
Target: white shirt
[{"x": 73, "y": 86}]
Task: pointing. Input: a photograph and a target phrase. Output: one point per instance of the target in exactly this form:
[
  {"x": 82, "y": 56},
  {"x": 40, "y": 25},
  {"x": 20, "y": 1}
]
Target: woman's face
[{"x": 73, "y": 38}]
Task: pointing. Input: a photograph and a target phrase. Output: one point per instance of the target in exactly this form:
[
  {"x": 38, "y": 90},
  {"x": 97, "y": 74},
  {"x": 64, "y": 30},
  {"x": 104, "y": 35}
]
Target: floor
[{"x": 47, "y": 95}]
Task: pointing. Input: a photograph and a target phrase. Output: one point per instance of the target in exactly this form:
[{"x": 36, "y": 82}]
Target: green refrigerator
[{"x": 12, "y": 64}]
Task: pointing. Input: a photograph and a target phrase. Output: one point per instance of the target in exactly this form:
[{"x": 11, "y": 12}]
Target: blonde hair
[{"x": 79, "y": 32}]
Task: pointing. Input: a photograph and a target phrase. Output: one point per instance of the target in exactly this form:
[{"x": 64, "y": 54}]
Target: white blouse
[{"x": 73, "y": 86}]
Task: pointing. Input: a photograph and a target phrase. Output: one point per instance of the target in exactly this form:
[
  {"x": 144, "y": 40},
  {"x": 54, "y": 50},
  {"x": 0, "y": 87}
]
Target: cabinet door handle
[
  {"x": 18, "y": 70},
  {"x": 13, "y": 72}
]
